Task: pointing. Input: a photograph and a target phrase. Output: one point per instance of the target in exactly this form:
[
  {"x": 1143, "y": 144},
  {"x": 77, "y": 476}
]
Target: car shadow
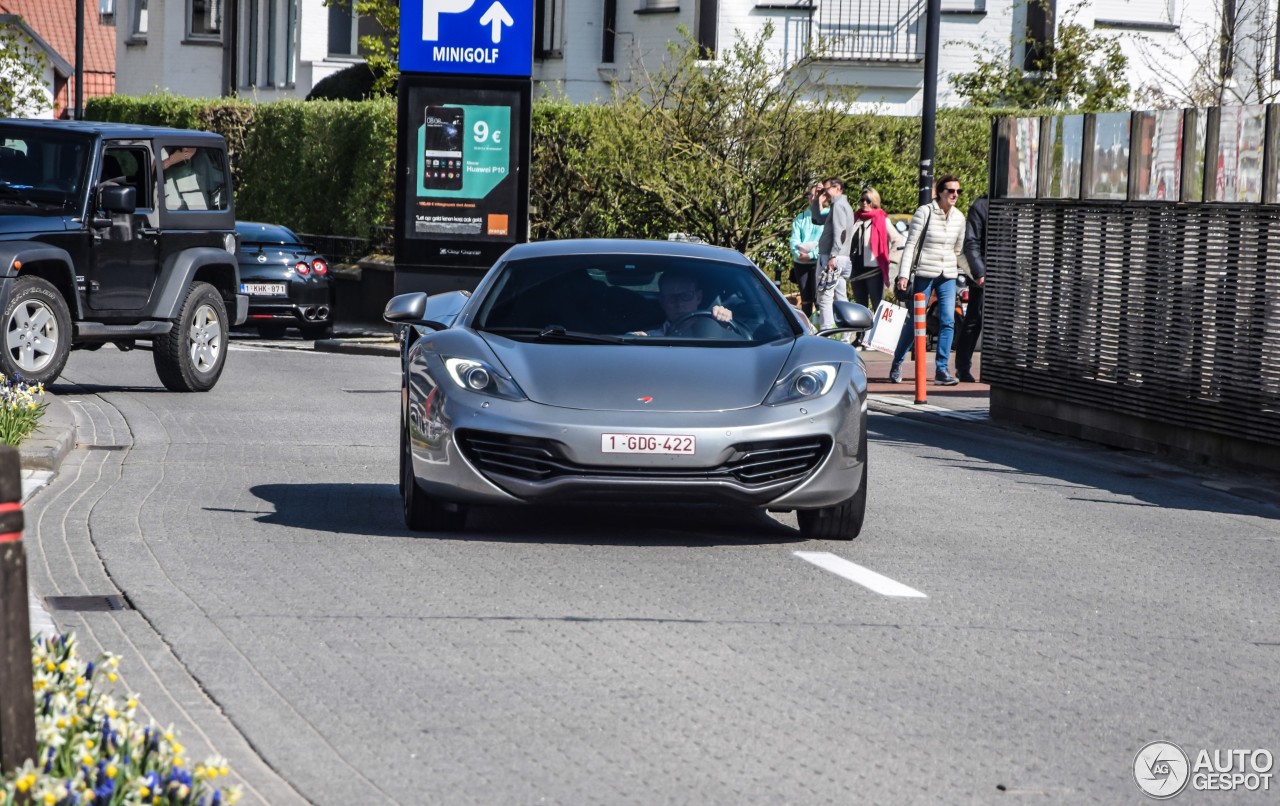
[
  {"x": 374, "y": 510},
  {"x": 1049, "y": 460}
]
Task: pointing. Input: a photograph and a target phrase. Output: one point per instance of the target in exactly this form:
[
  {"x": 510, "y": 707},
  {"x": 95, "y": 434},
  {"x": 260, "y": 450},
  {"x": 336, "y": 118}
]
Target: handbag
[{"x": 887, "y": 327}]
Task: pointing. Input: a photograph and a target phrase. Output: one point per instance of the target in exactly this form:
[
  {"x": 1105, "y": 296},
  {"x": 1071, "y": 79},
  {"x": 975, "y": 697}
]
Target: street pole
[
  {"x": 17, "y": 704},
  {"x": 79, "y": 59},
  {"x": 929, "y": 113}
]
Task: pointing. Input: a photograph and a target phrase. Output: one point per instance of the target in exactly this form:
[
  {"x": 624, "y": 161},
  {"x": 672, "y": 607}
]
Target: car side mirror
[
  {"x": 118, "y": 199},
  {"x": 406, "y": 308},
  {"x": 851, "y": 315}
]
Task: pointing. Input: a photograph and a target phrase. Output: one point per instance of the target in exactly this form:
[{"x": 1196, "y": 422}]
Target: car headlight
[
  {"x": 479, "y": 377},
  {"x": 803, "y": 383}
]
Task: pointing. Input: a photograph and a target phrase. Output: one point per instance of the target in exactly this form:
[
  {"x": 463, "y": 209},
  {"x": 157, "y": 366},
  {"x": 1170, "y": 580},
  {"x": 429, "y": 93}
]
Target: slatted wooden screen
[{"x": 1161, "y": 311}]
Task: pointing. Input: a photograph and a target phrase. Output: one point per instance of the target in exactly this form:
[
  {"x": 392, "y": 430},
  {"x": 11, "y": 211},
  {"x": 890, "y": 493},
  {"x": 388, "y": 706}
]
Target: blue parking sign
[{"x": 467, "y": 37}]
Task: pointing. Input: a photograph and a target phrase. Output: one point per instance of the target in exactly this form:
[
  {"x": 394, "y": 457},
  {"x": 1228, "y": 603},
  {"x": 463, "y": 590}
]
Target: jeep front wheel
[
  {"x": 37, "y": 335},
  {"x": 189, "y": 358}
]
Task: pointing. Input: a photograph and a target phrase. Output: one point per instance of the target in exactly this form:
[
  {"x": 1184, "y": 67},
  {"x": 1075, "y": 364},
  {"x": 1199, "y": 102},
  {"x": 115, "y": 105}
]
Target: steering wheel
[{"x": 694, "y": 324}]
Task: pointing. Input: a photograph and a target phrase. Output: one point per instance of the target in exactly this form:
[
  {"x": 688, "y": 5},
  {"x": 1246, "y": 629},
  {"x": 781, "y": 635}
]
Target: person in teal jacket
[{"x": 804, "y": 253}]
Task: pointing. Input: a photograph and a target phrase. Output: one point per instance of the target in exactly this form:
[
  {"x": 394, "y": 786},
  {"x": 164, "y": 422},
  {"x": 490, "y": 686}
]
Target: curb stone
[
  {"x": 375, "y": 345},
  {"x": 53, "y": 440}
]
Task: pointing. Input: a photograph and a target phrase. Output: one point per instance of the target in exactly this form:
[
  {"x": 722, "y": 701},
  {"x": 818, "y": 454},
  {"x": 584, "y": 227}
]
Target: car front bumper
[{"x": 472, "y": 448}]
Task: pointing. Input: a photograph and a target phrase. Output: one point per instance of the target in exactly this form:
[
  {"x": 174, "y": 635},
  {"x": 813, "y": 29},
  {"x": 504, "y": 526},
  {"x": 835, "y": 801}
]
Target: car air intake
[{"x": 535, "y": 459}]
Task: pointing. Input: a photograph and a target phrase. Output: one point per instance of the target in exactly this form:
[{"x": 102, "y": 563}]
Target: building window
[
  {"x": 107, "y": 12},
  {"x": 548, "y": 20},
  {"x": 290, "y": 44},
  {"x": 346, "y": 27},
  {"x": 266, "y": 41},
  {"x": 272, "y": 29},
  {"x": 251, "y": 43},
  {"x": 138, "y": 25},
  {"x": 1040, "y": 24},
  {"x": 204, "y": 19}
]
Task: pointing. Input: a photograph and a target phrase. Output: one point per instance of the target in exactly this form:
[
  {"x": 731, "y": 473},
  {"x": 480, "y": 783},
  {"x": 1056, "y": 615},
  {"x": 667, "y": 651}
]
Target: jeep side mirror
[{"x": 118, "y": 199}]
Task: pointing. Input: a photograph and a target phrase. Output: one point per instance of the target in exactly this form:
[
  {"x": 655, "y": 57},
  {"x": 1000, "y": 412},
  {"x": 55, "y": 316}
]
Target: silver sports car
[{"x": 642, "y": 371}]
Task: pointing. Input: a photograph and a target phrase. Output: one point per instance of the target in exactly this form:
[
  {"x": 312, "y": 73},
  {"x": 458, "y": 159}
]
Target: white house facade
[
  {"x": 876, "y": 45},
  {"x": 262, "y": 49},
  {"x": 275, "y": 49}
]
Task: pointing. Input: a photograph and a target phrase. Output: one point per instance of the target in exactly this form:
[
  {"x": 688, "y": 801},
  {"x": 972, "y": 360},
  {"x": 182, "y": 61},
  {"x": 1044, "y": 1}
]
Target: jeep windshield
[{"x": 41, "y": 169}]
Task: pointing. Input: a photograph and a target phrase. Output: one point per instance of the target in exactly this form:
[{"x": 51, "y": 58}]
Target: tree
[
  {"x": 382, "y": 52},
  {"x": 1232, "y": 50},
  {"x": 721, "y": 149},
  {"x": 1081, "y": 70},
  {"x": 22, "y": 89}
]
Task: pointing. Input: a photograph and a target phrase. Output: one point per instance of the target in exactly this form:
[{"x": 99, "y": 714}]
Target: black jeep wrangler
[{"x": 116, "y": 233}]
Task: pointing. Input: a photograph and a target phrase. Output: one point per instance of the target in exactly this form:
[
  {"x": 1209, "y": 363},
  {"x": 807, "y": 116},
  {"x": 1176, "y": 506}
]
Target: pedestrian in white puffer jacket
[{"x": 937, "y": 235}]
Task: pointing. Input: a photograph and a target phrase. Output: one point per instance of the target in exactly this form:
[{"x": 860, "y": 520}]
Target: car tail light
[
  {"x": 302, "y": 268},
  {"x": 319, "y": 267}
]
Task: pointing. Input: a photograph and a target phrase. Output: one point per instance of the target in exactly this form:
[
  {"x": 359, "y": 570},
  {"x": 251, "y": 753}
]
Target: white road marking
[{"x": 865, "y": 577}]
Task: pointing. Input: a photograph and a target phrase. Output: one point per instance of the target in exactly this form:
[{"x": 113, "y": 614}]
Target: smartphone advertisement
[
  {"x": 462, "y": 176},
  {"x": 463, "y": 184}
]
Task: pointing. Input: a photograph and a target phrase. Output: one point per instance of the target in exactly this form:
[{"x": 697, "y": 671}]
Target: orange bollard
[{"x": 921, "y": 396}]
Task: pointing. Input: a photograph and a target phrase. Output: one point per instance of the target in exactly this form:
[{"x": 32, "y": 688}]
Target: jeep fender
[
  {"x": 180, "y": 272},
  {"x": 52, "y": 260}
]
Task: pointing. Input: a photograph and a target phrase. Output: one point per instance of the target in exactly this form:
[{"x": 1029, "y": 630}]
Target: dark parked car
[
  {"x": 287, "y": 282},
  {"x": 558, "y": 381}
]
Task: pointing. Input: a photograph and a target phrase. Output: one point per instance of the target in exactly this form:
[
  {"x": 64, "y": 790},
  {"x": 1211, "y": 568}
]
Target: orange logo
[{"x": 497, "y": 224}]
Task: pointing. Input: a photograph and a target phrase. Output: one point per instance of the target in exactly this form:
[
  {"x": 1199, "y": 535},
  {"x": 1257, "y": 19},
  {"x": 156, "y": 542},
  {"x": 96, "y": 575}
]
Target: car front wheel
[
  {"x": 842, "y": 521},
  {"x": 37, "y": 335},
  {"x": 189, "y": 358},
  {"x": 422, "y": 513}
]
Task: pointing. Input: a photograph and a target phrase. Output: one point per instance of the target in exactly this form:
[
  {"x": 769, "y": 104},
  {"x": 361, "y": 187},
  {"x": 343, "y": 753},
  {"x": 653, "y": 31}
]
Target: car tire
[
  {"x": 313, "y": 332},
  {"x": 842, "y": 521},
  {"x": 189, "y": 358},
  {"x": 37, "y": 328},
  {"x": 271, "y": 331},
  {"x": 423, "y": 513}
]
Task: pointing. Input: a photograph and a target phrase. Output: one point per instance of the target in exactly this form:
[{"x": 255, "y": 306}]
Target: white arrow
[{"x": 497, "y": 16}]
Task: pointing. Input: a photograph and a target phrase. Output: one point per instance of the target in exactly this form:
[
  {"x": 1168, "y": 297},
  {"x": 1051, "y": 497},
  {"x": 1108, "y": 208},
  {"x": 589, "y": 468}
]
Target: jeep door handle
[{"x": 147, "y": 232}]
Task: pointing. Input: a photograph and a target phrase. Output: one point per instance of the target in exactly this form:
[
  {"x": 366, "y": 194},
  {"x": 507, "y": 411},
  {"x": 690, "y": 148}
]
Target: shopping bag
[{"x": 887, "y": 328}]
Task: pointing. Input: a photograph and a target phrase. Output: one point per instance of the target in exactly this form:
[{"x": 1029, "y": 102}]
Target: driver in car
[{"x": 680, "y": 298}]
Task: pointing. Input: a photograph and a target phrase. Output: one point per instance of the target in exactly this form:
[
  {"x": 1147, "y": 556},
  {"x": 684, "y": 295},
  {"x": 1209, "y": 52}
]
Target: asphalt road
[{"x": 1076, "y": 604}]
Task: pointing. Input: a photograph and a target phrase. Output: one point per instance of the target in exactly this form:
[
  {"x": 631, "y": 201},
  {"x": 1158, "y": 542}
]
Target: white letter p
[{"x": 431, "y": 11}]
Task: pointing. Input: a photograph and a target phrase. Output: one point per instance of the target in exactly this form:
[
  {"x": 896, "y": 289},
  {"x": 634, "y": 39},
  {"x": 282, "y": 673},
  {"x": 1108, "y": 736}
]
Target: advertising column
[{"x": 462, "y": 158}]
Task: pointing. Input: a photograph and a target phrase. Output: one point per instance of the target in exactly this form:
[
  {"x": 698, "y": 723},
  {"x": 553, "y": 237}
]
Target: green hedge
[
  {"x": 324, "y": 167},
  {"x": 327, "y": 167}
]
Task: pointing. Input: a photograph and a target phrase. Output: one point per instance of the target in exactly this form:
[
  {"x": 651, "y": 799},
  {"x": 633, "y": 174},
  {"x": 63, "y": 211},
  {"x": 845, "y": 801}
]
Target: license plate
[
  {"x": 263, "y": 289},
  {"x": 647, "y": 443}
]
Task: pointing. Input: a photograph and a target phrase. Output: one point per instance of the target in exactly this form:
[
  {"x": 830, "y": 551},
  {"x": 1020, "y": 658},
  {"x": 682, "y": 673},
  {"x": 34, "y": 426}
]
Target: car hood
[
  {"x": 14, "y": 223},
  {"x": 634, "y": 377}
]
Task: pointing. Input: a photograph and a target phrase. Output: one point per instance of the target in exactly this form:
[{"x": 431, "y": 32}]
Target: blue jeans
[{"x": 946, "y": 290}]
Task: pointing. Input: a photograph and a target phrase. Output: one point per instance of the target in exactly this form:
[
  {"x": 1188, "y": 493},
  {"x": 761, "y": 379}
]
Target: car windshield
[
  {"x": 41, "y": 169},
  {"x": 612, "y": 298}
]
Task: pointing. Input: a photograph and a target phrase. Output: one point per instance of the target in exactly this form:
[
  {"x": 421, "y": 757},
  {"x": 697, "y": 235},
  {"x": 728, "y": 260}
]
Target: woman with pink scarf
[{"x": 872, "y": 239}]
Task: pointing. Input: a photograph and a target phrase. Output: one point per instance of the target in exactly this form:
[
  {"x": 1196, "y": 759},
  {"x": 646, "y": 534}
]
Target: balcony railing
[{"x": 869, "y": 30}]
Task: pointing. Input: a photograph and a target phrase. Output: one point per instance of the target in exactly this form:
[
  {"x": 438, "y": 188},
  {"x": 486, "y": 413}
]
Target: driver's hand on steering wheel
[{"x": 721, "y": 313}]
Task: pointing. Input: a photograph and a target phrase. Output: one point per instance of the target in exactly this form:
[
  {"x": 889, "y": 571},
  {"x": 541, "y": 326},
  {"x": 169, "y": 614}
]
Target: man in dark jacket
[{"x": 975, "y": 249}]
